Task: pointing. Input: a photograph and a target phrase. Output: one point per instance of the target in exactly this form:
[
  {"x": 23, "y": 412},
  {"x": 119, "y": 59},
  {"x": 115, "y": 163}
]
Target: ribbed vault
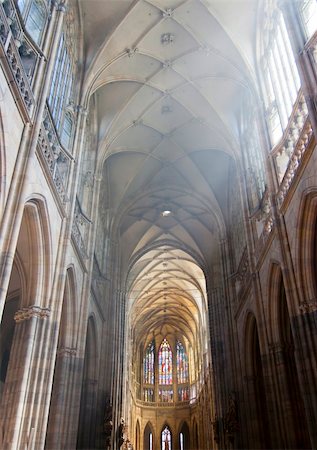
[{"x": 166, "y": 80}]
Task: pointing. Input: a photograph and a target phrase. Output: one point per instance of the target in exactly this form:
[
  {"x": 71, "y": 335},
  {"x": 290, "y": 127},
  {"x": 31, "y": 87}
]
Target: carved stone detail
[
  {"x": 308, "y": 306},
  {"x": 31, "y": 311},
  {"x": 66, "y": 351}
]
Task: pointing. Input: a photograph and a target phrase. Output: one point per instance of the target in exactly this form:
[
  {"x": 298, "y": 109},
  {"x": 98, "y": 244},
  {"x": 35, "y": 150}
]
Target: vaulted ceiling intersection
[{"x": 168, "y": 77}]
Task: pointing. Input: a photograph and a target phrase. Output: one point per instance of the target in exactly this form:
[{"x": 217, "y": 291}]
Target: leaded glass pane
[
  {"x": 181, "y": 363},
  {"x": 36, "y": 20},
  {"x": 166, "y": 439},
  {"x": 165, "y": 363},
  {"x": 148, "y": 364}
]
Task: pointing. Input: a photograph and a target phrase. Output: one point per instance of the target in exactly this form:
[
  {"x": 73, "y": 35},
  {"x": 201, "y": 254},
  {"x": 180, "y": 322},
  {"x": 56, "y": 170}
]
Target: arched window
[
  {"x": 165, "y": 363},
  {"x": 280, "y": 76},
  {"x": 181, "y": 363},
  {"x": 308, "y": 9},
  {"x": 166, "y": 439},
  {"x": 34, "y": 14},
  {"x": 148, "y": 364}
]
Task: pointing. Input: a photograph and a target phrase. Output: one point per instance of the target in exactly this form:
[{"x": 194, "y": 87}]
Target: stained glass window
[
  {"x": 166, "y": 439},
  {"x": 183, "y": 394},
  {"x": 149, "y": 395},
  {"x": 165, "y": 363},
  {"x": 182, "y": 363},
  {"x": 148, "y": 364},
  {"x": 166, "y": 395}
]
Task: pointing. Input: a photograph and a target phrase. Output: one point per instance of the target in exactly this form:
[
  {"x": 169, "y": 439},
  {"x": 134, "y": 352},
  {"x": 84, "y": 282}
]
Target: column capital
[
  {"x": 60, "y": 5},
  {"x": 31, "y": 311},
  {"x": 308, "y": 306},
  {"x": 66, "y": 351}
]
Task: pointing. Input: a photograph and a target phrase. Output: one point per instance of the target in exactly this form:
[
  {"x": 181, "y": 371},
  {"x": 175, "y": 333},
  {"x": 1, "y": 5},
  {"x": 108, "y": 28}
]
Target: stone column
[
  {"x": 21, "y": 403},
  {"x": 61, "y": 402},
  {"x": 305, "y": 341}
]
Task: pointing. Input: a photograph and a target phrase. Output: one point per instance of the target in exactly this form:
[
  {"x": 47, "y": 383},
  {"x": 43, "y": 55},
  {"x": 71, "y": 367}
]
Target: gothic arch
[
  {"x": 69, "y": 317},
  {"x": 148, "y": 429},
  {"x": 290, "y": 405},
  {"x": 184, "y": 441},
  {"x": 306, "y": 251},
  {"x": 275, "y": 279},
  {"x": 168, "y": 436},
  {"x": 34, "y": 250},
  {"x": 137, "y": 435}
]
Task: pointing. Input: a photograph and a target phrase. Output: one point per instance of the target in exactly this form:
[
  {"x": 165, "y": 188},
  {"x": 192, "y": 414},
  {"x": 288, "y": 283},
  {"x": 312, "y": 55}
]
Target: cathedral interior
[{"x": 158, "y": 224}]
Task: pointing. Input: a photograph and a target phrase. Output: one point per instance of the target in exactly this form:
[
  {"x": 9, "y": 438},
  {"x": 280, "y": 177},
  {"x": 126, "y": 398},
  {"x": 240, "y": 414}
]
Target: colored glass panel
[
  {"x": 148, "y": 364},
  {"x": 165, "y": 363},
  {"x": 166, "y": 439},
  {"x": 181, "y": 363}
]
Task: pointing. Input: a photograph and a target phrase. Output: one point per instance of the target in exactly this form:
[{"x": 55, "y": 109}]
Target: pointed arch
[
  {"x": 166, "y": 437},
  {"x": 137, "y": 435},
  {"x": 148, "y": 437},
  {"x": 184, "y": 436},
  {"x": 306, "y": 251},
  {"x": 165, "y": 361},
  {"x": 287, "y": 375},
  {"x": 34, "y": 250}
]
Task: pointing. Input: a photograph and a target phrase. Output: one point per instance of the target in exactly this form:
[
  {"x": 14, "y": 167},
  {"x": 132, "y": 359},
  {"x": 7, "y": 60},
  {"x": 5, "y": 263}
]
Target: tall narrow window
[
  {"x": 181, "y": 441},
  {"x": 181, "y": 363},
  {"x": 148, "y": 364},
  {"x": 281, "y": 80},
  {"x": 166, "y": 439},
  {"x": 165, "y": 363},
  {"x": 34, "y": 14},
  {"x": 60, "y": 95},
  {"x": 309, "y": 13}
]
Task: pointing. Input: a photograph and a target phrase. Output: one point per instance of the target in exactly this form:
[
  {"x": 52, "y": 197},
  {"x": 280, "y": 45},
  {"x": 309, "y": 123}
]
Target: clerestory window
[
  {"x": 166, "y": 376},
  {"x": 281, "y": 81},
  {"x": 308, "y": 9},
  {"x": 60, "y": 96},
  {"x": 35, "y": 15}
]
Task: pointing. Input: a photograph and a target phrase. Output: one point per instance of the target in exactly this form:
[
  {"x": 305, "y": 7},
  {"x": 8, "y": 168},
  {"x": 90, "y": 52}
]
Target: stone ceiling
[{"x": 168, "y": 78}]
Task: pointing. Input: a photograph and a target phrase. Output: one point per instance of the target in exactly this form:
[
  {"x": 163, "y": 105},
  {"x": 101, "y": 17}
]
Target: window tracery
[
  {"x": 165, "y": 363},
  {"x": 166, "y": 439},
  {"x": 308, "y": 9},
  {"x": 281, "y": 81},
  {"x": 148, "y": 364},
  {"x": 172, "y": 372},
  {"x": 60, "y": 96},
  {"x": 182, "y": 363},
  {"x": 35, "y": 15}
]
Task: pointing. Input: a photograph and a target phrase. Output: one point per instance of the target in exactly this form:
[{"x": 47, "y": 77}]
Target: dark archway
[
  {"x": 184, "y": 437},
  {"x": 148, "y": 437}
]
